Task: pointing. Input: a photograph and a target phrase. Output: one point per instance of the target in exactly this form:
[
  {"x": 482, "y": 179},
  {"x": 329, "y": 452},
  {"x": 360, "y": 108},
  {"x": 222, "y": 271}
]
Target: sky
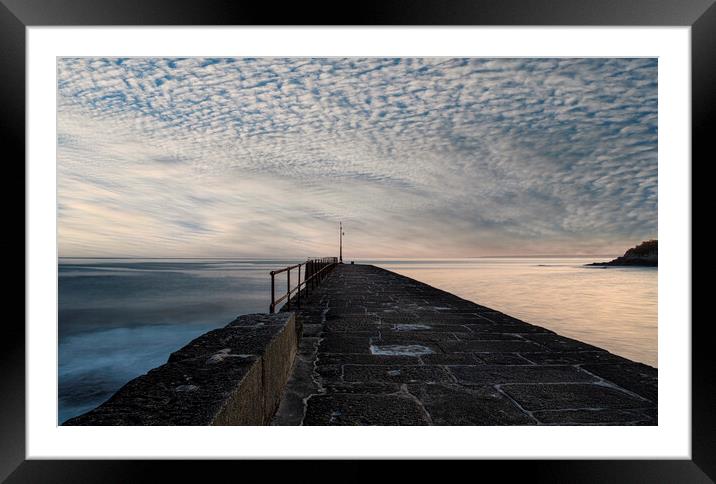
[{"x": 419, "y": 157}]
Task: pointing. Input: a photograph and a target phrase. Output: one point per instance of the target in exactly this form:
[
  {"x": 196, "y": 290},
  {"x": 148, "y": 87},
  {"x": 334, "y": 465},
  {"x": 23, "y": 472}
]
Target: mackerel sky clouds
[{"x": 442, "y": 157}]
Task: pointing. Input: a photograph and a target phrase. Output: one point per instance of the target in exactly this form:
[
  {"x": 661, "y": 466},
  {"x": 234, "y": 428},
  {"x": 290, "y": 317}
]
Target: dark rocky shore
[{"x": 645, "y": 254}]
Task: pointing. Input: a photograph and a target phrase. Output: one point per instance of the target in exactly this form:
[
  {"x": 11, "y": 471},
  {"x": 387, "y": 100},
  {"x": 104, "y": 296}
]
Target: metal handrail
[{"x": 317, "y": 268}]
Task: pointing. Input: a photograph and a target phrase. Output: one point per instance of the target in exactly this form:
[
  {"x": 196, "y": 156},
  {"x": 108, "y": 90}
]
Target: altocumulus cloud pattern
[{"x": 419, "y": 157}]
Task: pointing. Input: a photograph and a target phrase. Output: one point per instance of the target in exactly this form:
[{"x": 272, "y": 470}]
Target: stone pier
[
  {"x": 233, "y": 375},
  {"x": 378, "y": 348}
]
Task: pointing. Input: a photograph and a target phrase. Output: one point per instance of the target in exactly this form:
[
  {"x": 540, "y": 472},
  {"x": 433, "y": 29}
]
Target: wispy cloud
[{"x": 419, "y": 157}]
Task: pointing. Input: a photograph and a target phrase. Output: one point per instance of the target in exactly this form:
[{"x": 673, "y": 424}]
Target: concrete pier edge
[{"x": 233, "y": 375}]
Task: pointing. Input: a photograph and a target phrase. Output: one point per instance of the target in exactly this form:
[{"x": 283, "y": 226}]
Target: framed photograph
[{"x": 431, "y": 230}]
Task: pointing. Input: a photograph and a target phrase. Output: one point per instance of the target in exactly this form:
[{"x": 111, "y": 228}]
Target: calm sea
[{"x": 120, "y": 318}]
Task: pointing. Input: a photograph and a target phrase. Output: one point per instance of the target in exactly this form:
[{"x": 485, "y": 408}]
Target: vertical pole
[
  {"x": 299, "y": 285},
  {"x": 288, "y": 283},
  {"x": 340, "y": 230},
  {"x": 273, "y": 293}
]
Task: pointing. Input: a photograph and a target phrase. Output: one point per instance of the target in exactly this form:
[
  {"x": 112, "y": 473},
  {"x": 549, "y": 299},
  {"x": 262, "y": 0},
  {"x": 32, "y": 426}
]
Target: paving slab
[
  {"x": 498, "y": 346},
  {"x": 496, "y": 374},
  {"x": 595, "y": 417},
  {"x": 503, "y": 359},
  {"x": 398, "y": 374},
  {"x": 573, "y": 357},
  {"x": 364, "y": 409},
  {"x": 561, "y": 396},
  {"x": 458, "y": 405},
  {"x": 638, "y": 378}
]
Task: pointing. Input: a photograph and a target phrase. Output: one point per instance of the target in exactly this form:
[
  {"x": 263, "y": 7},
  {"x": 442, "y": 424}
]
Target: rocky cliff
[{"x": 644, "y": 254}]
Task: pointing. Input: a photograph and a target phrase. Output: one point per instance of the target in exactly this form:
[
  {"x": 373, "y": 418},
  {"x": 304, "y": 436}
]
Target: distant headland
[{"x": 644, "y": 254}]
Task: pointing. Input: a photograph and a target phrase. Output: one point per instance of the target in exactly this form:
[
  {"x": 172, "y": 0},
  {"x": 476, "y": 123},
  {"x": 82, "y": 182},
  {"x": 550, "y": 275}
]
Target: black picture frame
[{"x": 16, "y": 15}]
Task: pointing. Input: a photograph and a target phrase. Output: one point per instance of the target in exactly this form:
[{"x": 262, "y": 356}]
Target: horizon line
[{"x": 354, "y": 258}]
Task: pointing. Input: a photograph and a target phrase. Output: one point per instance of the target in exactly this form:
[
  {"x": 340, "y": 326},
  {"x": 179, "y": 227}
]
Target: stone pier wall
[{"x": 233, "y": 375}]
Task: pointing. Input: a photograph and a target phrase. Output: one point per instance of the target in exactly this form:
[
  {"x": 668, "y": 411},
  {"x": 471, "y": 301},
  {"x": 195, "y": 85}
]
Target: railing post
[
  {"x": 273, "y": 293},
  {"x": 298, "y": 296},
  {"x": 288, "y": 283}
]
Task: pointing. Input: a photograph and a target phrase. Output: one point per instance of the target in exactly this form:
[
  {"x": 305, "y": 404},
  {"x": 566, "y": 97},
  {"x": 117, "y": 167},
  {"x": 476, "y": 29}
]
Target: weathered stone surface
[
  {"x": 399, "y": 374},
  {"x": 507, "y": 329},
  {"x": 239, "y": 340},
  {"x": 458, "y": 405},
  {"x": 351, "y": 409},
  {"x": 501, "y": 318},
  {"x": 485, "y": 336},
  {"x": 573, "y": 357},
  {"x": 406, "y": 347},
  {"x": 231, "y": 376},
  {"x": 277, "y": 361},
  {"x": 594, "y": 417},
  {"x": 248, "y": 403},
  {"x": 329, "y": 373},
  {"x": 502, "y": 359},
  {"x": 451, "y": 359},
  {"x": 545, "y": 396},
  {"x": 301, "y": 382},
  {"x": 391, "y": 337},
  {"x": 188, "y": 392},
  {"x": 312, "y": 329},
  {"x": 367, "y": 359},
  {"x": 342, "y": 343},
  {"x": 353, "y": 325},
  {"x": 435, "y": 321},
  {"x": 496, "y": 374},
  {"x": 394, "y": 351},
  {"x": 489, "y": 346},
  {"x": 416, "y": 327},
  {"x": 554, "y": 342},
  {"x": 637, "y": 378},
  {"x": 372, "y": 387}
]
